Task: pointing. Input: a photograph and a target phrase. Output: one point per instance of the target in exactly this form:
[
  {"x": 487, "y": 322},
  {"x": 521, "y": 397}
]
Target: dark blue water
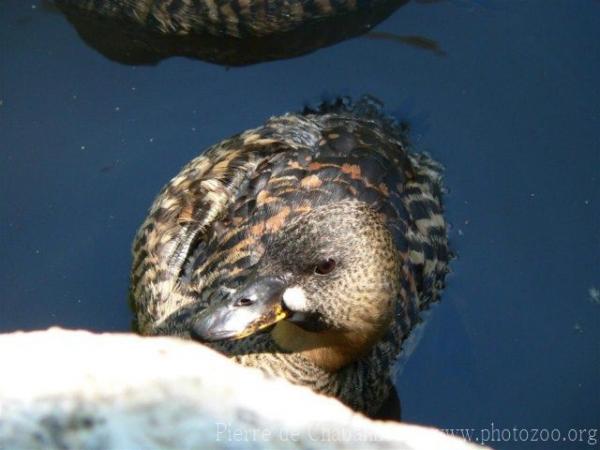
[{"x": 512, "y": 110}]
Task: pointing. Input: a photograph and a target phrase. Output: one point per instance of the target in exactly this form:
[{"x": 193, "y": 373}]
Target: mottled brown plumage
[
  {"x": 322, "y": 218},
  {"x": 229, "y": 32},
  {"x": 220, "y": 18}
]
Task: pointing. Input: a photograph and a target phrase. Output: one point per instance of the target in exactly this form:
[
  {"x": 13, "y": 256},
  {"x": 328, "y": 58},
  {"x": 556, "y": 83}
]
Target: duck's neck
[
  {"x": 362, "y": 384},
  {"x": 329, "y": 350}
]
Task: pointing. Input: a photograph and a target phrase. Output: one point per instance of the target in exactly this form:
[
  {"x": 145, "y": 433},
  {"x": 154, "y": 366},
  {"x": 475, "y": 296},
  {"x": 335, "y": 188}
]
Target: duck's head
[{"x": 328, "y": 281}]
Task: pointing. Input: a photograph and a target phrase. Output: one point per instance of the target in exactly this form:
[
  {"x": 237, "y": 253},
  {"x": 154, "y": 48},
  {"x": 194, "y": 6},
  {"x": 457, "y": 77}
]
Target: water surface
[{"x": 509, "y": 103}]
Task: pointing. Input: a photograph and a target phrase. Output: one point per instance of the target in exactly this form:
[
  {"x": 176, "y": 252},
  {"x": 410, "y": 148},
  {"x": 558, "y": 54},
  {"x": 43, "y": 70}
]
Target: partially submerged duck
[{"x": 305, "y": 247}]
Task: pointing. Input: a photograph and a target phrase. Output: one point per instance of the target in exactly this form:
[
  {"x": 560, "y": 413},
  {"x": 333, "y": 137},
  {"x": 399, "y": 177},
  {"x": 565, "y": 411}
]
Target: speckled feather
[{"x": 228, "y": 208}]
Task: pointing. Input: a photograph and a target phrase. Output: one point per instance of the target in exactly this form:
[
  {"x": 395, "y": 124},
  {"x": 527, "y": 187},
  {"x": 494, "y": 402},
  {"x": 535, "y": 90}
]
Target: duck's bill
[{"x": 234, "y": 321}]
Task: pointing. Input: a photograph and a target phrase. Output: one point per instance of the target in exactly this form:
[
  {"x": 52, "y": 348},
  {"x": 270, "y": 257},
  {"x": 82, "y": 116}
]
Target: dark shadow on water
[
  {"x": 130, "y": 43},
  {"x": 419, "y": 42},
  {"x": 49, "y": 6}
]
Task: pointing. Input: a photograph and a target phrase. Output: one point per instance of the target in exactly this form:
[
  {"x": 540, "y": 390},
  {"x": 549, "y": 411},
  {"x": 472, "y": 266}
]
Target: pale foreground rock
[{"x": 77, "y": 390}]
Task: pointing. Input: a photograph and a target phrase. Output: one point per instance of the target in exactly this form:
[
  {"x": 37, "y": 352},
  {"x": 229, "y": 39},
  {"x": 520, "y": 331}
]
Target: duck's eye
[
  {"x": 326, "y": 266},
  {"x": 244, "y": 302}
]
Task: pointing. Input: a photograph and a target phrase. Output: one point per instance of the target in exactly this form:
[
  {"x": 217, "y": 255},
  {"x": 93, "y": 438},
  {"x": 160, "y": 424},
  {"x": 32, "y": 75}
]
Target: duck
[{"x": 306, "y": 247}]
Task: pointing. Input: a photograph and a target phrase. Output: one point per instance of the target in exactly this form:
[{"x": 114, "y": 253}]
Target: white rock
[{"x": 78, "y": 390}]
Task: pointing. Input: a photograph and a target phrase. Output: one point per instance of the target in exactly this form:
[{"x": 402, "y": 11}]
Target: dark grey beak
[{"x": 253, "y": 308}]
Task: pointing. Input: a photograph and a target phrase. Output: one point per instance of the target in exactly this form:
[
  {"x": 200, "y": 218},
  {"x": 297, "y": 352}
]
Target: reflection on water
[
  {"x": 420, "y": 42},
  {"x": 128, "y": 41}
]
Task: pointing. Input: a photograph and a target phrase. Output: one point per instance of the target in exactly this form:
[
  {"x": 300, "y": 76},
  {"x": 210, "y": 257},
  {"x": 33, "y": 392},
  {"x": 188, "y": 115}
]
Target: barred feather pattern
[
  {"x": 235, "y": 18},
  {"x": 210, "y": 225}
]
